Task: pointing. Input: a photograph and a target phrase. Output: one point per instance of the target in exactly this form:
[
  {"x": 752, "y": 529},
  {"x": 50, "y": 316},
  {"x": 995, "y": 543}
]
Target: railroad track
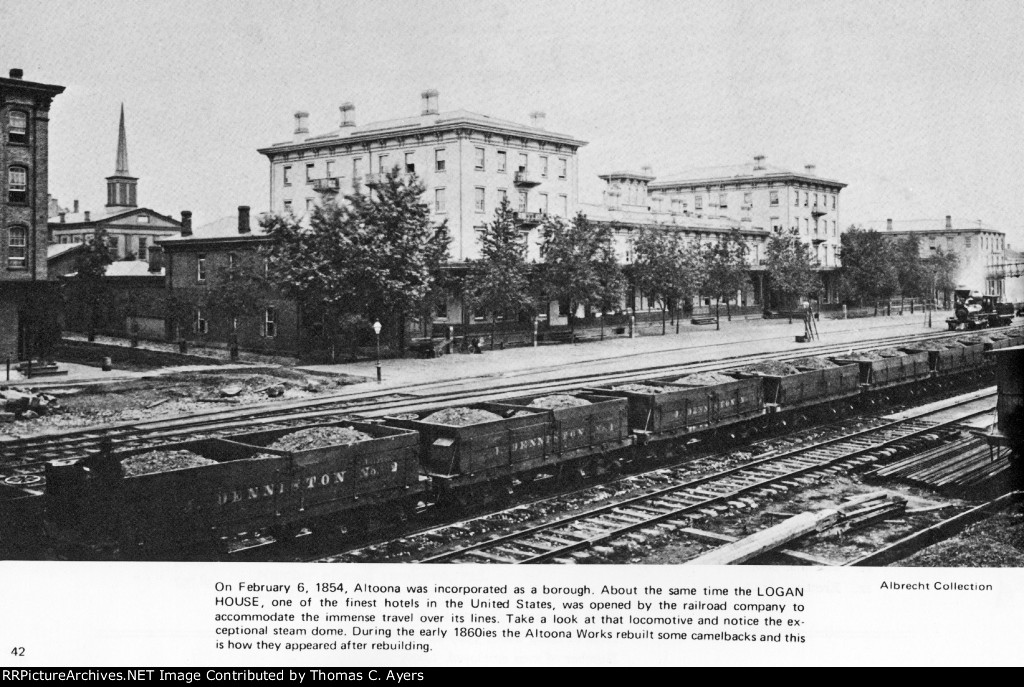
[
  {"x": 26, "y": 452},
  {"x": 708, "y": 495}
]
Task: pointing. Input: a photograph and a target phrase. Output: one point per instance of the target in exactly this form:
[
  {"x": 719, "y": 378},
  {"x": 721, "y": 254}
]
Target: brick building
[
  {"x": 200, "y": 264},
  {"x": 24, "y": 202}
]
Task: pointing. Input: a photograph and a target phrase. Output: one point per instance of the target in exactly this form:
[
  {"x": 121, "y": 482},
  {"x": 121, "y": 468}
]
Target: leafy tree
[
  {"x": 498, "y": 283},
  {"x": 869, "y": 268},
  {"x": 375, "y": 256},
  {"x": 236, "y": 292},
  {"x": 940, "y": 273},
  {"x": 726, "y": 267},
  {"x": 664, "y": 267},
  {"x": 90, "y": 270},
  {"x": 790, "y": 266},
  {"x": 910, "y": 268},
  {"x": 579, "y": 266}
]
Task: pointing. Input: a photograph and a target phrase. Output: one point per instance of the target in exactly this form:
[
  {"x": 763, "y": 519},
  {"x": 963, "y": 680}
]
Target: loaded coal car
[
  {"x": 793, "y": 388},
  {"x": 948, "y": 357},
  {"x": 887, "y": 369},
  {"x": 681, "y": 406},
  {"x": 472, "y": 454},
  {"x": 190, "y": 495},
  {"x": 587, "y": 430}
]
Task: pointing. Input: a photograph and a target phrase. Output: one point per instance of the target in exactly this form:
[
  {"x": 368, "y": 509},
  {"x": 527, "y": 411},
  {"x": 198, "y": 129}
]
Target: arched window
[
  {"x": 17, "y": 247},
  {"x": 17, "y": 126},
  {"x": 17, "y": 184}
]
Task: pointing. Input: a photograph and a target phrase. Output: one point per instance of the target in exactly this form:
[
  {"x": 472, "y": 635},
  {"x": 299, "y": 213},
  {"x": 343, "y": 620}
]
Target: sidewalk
[{"x": 690, "y": 345}]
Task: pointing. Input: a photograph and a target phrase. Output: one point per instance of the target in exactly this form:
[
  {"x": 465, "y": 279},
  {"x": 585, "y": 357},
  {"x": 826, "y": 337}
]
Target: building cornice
[
  {"x": 759, "y": 180},
  {"x": 456, "y": 126}
]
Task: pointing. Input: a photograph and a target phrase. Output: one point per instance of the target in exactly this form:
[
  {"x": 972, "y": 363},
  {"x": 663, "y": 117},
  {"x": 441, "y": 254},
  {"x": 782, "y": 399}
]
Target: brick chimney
[
  {"x": 87, "y": 213},
  {"x": 538, "y": 119},
  {"x": 243, "y": 219},
  {"x": 17, "y": 73},
  {"x": 76, "y": 207},
  {"x": 429, "y": 99},
  {"x": 758, "y": 163},
  {"x": 888, "y": 225},
  {"x": 949, "y": 222},
  {"x": 301, "y": 126},
  {"x": 186, "y": 222},
  {"x": 156, "y": 259},
  {"x": 62, "y": 217},
  {"x": 809, "y": 169},
  {"x": 348, "y": 112}
]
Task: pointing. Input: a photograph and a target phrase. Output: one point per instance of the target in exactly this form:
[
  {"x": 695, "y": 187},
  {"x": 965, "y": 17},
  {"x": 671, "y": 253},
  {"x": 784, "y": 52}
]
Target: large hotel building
[{"x": 468, "y": 163}]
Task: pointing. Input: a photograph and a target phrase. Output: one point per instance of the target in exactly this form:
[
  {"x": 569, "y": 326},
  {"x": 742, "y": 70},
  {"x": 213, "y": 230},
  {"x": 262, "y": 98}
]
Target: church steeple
[
  {"x": 121, "y": 186},
  {"x": 122, "y": 147}
]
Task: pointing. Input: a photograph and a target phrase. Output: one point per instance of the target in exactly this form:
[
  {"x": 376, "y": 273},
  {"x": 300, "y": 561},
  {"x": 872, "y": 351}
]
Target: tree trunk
[
  {"x": 718, "y": 317},
  {"x": 663, "y": 318},
  {"x": 728, "y": 311}
]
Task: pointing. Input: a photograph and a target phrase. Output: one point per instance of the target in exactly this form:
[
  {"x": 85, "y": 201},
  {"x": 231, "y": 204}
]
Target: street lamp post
[{"x": 376, "y": 330}]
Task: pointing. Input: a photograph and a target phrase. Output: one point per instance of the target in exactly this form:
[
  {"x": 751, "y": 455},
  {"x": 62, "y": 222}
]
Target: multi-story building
[
  {"x": 627, "y": 207},
  {"x": 201, "y": 260},
  {"x": 979, "y": 247},
  {"x": 467, "y": 162},
  {"x": 24, "y": 159},
  {"x": 765, "y": 198},
  {"x": 131, "y": 230}
]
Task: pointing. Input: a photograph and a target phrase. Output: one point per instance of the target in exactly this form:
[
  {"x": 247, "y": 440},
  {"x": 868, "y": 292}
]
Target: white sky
[{"x": 916, "y": 105}]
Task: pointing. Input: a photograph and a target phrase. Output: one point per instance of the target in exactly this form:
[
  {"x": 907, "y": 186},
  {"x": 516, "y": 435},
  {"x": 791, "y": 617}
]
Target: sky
[{"x": 917, "y": 106}]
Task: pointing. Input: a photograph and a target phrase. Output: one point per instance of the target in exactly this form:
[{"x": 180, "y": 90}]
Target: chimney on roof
[
  {"x": 809, "y": 169},
  {"x": 186, "y": 222},
  {"x": 348, "y": 112},
  {"x": 17, "y": 73},
  {"x": 301, "y": 126},
  {"x": 538, "y": 119},
  {"x": 647, "y": 170},
  {"x": 888, "y": 225},
  {"x": 156, "y": 259},
  {"x": 62, "y": 217},
  {"x": 76, "y": 207},
  {"x": 949, "y": 222},
  {"x": 758, "y": 163},
  {"x": 87, "y": 216},
  {"x": 243, "y": 219},
  {"x": 429, "y": 99}
]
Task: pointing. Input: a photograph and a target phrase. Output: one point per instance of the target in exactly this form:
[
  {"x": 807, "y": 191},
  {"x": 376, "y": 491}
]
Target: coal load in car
[
  {"x": 887, "y": 367},
  {"x": 668, "y": 407},
  {"x": 579, "y": 420},
  {"x": 815, "y": 383},
  {"x": 475, "y": 439},
  {"x": 949, "y": 358}
]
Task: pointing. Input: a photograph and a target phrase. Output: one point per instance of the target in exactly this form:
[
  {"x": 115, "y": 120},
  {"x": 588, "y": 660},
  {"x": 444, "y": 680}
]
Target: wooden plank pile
[
  {"x": 859, "y": 511},
  {"x": 951, "y": 468}
]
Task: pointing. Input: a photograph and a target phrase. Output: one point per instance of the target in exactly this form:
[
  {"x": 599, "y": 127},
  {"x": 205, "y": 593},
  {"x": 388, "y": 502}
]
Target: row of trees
[
  {"x": 579, "y": 268},
  {"x": 879, "y": 267},
  {"x": 379, "y": 257}
]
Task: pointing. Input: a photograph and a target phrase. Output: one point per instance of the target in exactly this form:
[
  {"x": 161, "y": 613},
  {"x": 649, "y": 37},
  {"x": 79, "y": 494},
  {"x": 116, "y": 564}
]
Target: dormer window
[{"x": 17, "y": 127}]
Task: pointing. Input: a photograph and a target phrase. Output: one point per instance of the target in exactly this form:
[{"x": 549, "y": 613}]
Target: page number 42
[{"x": 18, "y": 651}]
